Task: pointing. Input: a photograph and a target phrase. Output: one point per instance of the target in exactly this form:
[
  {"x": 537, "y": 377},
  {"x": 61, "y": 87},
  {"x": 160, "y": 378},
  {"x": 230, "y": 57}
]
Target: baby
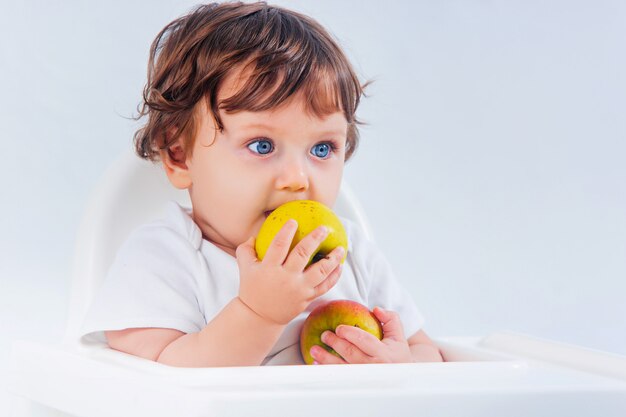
[{"x": 249, "y": 106}]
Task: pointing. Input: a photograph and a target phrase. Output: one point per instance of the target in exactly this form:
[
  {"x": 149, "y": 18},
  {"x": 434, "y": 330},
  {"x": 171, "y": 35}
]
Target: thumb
[
  {"x": 245, "y": 252},
  {"x": 392, "y": 326}
]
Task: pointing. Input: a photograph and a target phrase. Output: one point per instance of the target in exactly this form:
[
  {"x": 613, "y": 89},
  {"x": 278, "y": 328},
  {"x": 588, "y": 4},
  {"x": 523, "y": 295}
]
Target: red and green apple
[{"x": 330, "y": 315}]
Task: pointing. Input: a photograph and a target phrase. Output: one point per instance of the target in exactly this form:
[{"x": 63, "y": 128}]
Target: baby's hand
[
  {"x": 279, "y": 287},
  {"x": 358, "y": 346}
]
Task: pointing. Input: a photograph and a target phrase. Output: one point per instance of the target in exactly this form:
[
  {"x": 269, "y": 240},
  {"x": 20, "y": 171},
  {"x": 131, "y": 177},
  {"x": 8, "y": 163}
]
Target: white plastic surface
[{"x": 97, "y": 381}]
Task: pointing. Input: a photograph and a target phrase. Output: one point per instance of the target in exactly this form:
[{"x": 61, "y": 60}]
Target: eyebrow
[
  {"x": 258, "y": 126},
  {"x": 270, "y": 127}
]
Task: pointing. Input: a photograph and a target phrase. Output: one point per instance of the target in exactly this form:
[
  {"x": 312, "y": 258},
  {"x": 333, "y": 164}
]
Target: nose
[{"x": 292, "y": 176}]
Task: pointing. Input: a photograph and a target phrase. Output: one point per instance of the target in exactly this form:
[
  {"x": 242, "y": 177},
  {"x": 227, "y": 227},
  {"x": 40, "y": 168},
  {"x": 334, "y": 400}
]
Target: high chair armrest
[{"x": 97, "y": 381}]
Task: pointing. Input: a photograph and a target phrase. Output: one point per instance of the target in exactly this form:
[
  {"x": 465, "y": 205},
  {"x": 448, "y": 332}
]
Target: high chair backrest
[{"x": 133, "y": 192}]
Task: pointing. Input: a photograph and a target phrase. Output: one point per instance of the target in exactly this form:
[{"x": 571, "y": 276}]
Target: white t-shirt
[{"x": 167, "y": 276}]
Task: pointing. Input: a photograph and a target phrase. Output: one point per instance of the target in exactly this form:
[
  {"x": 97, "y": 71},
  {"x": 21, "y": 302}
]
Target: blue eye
[
  {"x": 321, "y": 150},
  {"x": 261, "y": 146}
]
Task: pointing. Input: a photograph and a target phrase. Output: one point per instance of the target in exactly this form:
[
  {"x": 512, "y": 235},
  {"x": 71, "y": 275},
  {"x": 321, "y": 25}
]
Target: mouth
[{"x": 267, "y": 213}]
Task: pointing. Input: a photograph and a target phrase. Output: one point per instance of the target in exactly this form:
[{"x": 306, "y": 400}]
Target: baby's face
[{"x": 258, "y": 162}]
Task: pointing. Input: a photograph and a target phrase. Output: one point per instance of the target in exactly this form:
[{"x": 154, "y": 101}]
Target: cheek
[{"x": 328, "y": 182}]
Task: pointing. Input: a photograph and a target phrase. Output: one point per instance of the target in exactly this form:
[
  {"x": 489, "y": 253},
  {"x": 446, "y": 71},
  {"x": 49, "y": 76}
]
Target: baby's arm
[
  {"x": 236, "y": 336},
  {"x": 271, "y": 294},
  {"x": 423, "y": 349}
]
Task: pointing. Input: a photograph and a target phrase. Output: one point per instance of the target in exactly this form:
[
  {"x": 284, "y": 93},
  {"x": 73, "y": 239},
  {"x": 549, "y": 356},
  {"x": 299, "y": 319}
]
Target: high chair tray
[{"x": 503, "y": 374}]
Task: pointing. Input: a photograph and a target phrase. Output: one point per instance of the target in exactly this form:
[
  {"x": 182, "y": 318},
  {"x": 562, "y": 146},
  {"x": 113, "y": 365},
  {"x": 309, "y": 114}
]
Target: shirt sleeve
[
  {"x": 382, "y": 287},
  {"x": 151, "y": 283}
]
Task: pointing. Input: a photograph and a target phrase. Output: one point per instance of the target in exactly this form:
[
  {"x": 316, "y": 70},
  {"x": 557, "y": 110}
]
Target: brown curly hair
[{"x": 286, "y": 52}]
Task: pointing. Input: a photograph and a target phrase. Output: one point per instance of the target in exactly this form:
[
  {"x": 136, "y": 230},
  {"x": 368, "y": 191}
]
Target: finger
[
  {"x": 366, "y": 342},
  {"x": 328, "y": 283},
  {"x": 324, "y": 357},
  {"x": 320, "y": 270},
  {"x": 302, "y": 253},
  {"x": 349, "y": 352},
  {"x": 392, "y": 326},
  {"x": 245, "y": 253},
  {"x": 279, "y": 248}
]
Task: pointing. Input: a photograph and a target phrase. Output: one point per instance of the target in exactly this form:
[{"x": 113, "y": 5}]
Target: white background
[{"x": 492, "y": 167}]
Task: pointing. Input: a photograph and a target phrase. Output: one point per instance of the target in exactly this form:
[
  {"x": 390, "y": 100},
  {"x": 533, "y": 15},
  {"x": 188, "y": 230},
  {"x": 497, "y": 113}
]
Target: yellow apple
[
  {"x": 309, "y": 215},
  {"x": 330, "y": 315}
]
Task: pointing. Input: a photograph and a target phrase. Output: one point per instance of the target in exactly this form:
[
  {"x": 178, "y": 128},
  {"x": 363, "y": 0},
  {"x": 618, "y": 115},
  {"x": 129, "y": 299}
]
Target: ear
[{"x": 175, "y": 165}]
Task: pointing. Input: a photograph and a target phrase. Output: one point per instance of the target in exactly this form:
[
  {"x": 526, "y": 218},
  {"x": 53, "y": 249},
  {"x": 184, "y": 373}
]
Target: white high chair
[{"x": 501, "y": 374}]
